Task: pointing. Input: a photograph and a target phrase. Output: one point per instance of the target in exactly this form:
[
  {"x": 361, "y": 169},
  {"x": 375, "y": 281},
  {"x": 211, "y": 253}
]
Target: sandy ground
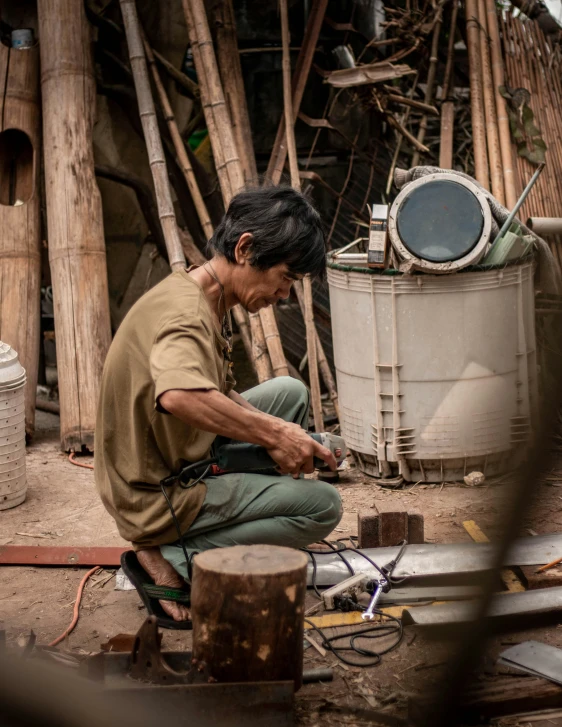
[{"x": 62, "y": 507}]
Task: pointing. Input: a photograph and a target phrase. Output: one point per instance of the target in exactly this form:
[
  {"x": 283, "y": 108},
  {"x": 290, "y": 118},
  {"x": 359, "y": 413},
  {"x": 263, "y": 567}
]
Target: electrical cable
[
  {"x": 188, "y": 559},
  {"x": 377, "y": 631},
  {"x": 76, "y": 607},
  {"x": 79, "y": 464}
]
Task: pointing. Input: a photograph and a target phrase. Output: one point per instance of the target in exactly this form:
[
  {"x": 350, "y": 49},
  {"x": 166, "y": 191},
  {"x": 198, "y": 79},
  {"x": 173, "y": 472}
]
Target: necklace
[{"x": 226, "y": 326}]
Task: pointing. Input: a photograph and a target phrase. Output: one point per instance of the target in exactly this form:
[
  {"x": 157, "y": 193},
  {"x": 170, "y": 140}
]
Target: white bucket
[{"x": 13, "y": 480}]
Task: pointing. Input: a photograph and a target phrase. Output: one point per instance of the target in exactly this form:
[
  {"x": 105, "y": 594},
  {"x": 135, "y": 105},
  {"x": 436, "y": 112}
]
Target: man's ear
[{"x": 242, "y": 249}]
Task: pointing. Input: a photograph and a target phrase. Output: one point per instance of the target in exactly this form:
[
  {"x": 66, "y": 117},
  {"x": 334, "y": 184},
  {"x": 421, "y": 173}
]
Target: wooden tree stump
[{"x": 247, "y": 607}]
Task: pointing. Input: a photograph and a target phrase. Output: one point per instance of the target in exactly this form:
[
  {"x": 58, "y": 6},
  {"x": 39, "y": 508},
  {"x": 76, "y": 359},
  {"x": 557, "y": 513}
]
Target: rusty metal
[
  {"x": 148, "y": 664},
  {"x": 171, "y": 684},
  {"x": 60, "y": 555}
]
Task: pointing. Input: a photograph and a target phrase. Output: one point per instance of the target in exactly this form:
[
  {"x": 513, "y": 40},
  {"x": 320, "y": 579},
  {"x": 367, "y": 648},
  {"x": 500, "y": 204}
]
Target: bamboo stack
[
  {"x": 20, "y": 221},
  {"x": 532, "y": 62},
  {"x": 74, "y": 217},
  {"x": 227, "y": 160}
]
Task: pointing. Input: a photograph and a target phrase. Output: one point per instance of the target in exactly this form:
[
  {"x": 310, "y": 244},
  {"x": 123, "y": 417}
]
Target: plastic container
[
  {"x": 13, "y": 480},
  {"x": 436, "y": 373}
]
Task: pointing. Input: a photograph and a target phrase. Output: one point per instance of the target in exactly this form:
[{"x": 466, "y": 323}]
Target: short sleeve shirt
[{"x": 168, "y": 340}]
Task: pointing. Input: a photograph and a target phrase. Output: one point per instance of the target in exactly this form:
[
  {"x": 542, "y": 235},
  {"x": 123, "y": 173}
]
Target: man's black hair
[{"x": 285, "y": 228}]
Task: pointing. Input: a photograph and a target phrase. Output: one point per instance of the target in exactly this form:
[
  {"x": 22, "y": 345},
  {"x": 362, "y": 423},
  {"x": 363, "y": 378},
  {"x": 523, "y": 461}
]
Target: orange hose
[
  {"x": 76, "y": 606},
  {"x": 79, "y": 464}
]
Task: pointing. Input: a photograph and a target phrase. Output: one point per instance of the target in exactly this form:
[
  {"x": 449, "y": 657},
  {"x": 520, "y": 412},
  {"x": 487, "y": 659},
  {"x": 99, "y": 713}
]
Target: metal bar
[
  {"x": 64, "y": 555},
  {"x": 437, "y": 559},
  {"x": 503, "y": 606}
]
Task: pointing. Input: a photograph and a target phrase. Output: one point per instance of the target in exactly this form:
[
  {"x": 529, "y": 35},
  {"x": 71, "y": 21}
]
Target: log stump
[{"x": 247, "y": 607}]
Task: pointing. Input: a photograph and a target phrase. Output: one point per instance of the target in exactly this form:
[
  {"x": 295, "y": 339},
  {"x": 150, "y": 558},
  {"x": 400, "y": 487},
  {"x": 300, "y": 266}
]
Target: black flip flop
[{"x": 150, "y": 593}]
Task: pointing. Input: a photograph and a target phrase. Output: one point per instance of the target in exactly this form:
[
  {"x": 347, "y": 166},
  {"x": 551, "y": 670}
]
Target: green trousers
[{"x": 272, "y": 509}]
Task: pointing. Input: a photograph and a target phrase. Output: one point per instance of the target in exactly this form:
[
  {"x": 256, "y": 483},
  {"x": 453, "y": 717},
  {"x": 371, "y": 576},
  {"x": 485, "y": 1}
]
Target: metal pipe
[
  {"x": 507, "y": 224},
  {"x": 545, "y": 225}
]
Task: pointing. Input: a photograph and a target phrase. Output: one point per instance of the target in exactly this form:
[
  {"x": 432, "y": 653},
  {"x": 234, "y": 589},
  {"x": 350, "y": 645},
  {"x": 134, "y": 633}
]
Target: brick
[
  {"x": 389, "y": 527},
  {"x": 393, "y": 528},
  {"x": 368, "y": 530},
  {"x": 416, "y": 535}
]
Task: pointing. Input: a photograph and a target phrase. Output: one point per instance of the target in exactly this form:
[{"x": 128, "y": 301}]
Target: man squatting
[{"x": 167, "y": 393}]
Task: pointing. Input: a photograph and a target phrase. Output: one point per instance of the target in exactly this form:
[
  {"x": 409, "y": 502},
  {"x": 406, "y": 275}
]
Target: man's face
[{"x": 256, "y": 289}]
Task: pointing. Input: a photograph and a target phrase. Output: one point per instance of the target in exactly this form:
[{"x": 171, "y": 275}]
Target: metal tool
[
  {"x": 383, "y": 584},
  {"x": 244, "y": 457},
  {"x": 381, "y": 587}
]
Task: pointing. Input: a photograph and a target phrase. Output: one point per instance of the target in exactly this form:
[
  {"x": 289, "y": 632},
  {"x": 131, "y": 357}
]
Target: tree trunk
[
  {"x": 20, "y": 222},
  {"x": 247, "y": 605},
  {"x": 74, "y": 216}
]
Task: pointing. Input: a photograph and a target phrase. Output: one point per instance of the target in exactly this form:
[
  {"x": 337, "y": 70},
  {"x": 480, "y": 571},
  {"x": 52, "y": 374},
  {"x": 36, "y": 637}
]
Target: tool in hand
[{"x": 243, "y": 457}]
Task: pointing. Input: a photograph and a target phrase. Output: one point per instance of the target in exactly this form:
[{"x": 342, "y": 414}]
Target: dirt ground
[{"x": 62, "y": 508}]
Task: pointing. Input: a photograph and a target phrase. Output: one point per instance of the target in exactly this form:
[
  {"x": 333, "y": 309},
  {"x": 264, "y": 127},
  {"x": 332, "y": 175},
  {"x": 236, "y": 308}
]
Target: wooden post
[
  {"x": 492, "y": 135},
  {"x": 300, "y": 77},
  {"x": 233, "y": 85},
  {"x": 247, "y": 606},
  {"x": 313, "y": 377},
  {"x": 503, "y": 121},
  {"x": 476, "y": 99},
  {"x": 74, "y": 217},
  {"x": 20, "y": 221},
  {"x": 152, "y": 138}
]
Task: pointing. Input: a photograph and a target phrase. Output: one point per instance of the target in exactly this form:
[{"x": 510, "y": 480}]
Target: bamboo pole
[
  {"x": 492, "y": 133},
  {"x": 300, "y": 77},
  {"x": 476, "y": 98},
  {"x": 74, "y": 217},
  {"x": 428, "y": 96},
  {"x": 20, "y": 215},
  {"x": 228, "y": 166},
  {"x": 183, "y": 159},
  {"x": 448, "y": 107},
  {"x": 152, "y": 138},
  {"x": 213, "y": 97},
  {"x": 448, "y": 80},
  {"x": 295, "y": 181},
  {"x": 501, "y": 109},
  {"x": 447, "y": 132},
  {"x": 233, "y": 84}
]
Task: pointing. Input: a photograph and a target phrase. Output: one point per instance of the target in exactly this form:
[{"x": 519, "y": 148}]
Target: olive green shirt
[{"x": 168, "y": 340}]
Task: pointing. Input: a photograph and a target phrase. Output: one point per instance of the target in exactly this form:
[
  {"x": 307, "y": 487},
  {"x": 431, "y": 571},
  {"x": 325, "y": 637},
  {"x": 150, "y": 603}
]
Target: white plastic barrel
[
  {"x": 436, "y": 373},
  {"x": 13, "y": 481}
]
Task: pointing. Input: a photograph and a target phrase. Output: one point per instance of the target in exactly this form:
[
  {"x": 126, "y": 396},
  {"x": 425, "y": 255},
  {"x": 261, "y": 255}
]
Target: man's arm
[
  {"x": 237, "y": 399},
  {"x": 287, "y": 443}
]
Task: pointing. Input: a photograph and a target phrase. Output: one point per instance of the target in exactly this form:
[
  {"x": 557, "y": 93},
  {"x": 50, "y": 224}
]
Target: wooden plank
[
  {"x": 60, "y": 555},
  {"x": 510, "y": 579}
]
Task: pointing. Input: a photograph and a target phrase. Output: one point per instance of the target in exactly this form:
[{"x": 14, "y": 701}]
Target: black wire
[
  {"x": 188, "y": 559},
  {"x": 377, "y": 631}
]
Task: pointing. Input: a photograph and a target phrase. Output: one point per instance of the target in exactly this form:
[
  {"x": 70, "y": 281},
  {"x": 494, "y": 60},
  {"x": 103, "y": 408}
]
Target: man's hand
[{"x": 295, "y": 450}]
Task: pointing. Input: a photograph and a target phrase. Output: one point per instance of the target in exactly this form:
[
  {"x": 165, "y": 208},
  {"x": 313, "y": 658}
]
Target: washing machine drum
[{"x": 440, "y": 223}]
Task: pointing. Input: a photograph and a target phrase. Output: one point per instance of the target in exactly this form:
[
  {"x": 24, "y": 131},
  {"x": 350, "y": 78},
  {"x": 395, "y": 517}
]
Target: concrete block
[{"x": 368, "y": 530}]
